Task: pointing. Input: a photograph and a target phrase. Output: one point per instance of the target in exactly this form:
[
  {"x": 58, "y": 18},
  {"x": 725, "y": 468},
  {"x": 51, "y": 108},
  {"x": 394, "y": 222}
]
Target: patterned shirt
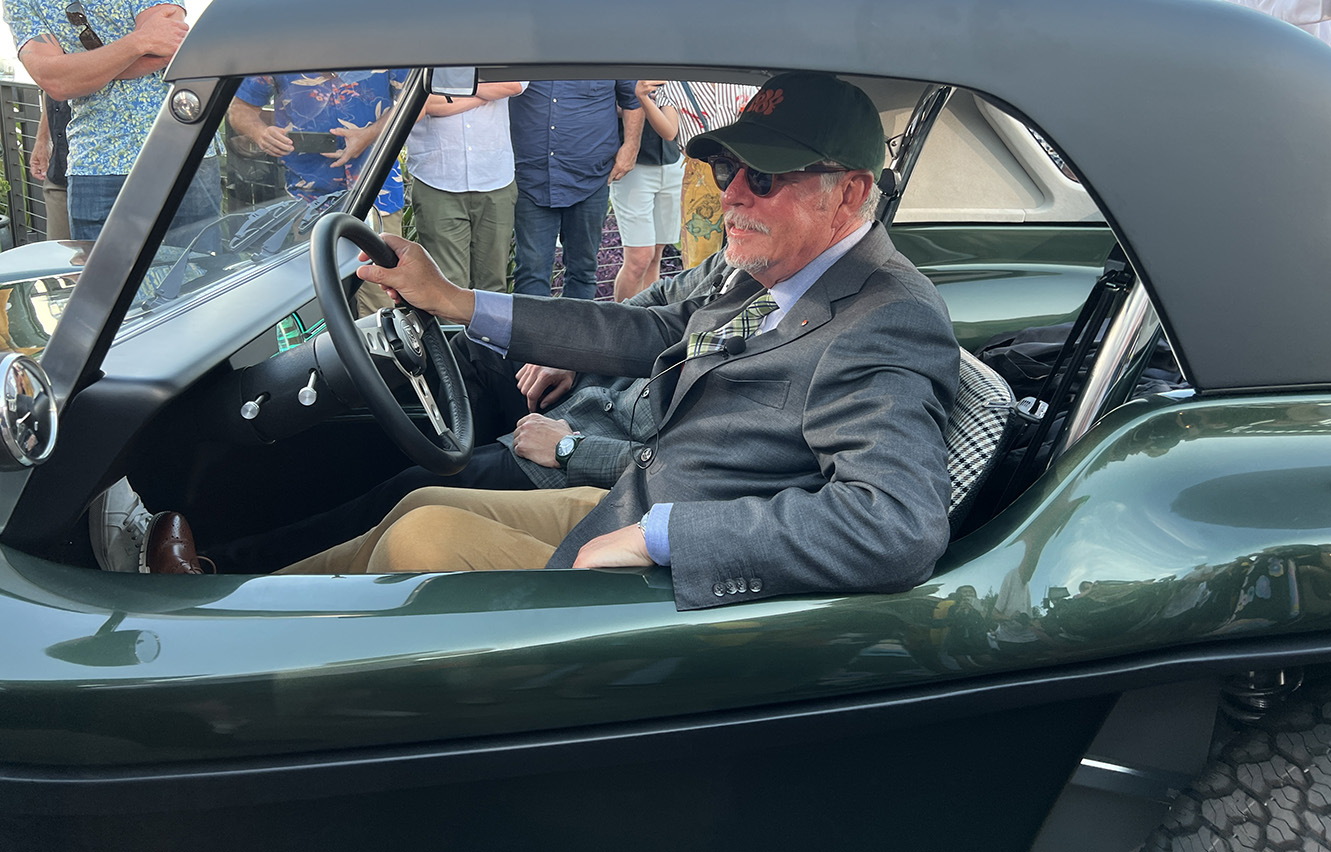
[
  {"x": 319, "y": 101},
  {"x": 704, "y": 106},
  {"x": 109, "y": 126}
]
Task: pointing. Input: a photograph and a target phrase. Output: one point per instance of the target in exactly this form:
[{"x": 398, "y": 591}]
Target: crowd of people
[{"x": 529, "y": 165}]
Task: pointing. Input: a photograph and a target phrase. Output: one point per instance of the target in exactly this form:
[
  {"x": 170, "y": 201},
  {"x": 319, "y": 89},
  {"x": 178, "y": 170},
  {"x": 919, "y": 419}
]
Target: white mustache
[{"x": 739, "y": 220}]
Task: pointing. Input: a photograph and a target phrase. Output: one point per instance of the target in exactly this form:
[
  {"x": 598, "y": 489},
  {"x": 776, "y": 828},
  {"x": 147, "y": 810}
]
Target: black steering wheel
[{"x": 404, "y": 337}]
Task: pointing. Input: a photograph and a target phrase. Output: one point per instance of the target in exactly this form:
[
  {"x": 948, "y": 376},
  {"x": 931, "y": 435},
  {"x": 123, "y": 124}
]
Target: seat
[{"x": 982, "y": 424}]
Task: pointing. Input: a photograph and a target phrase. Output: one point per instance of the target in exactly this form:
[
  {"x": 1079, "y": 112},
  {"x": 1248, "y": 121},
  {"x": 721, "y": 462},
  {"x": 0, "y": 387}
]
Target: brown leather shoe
[{"x": 168, "y": 548}]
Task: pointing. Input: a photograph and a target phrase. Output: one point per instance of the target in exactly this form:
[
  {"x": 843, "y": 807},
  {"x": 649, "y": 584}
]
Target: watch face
[{"x": 565, "y": 446}]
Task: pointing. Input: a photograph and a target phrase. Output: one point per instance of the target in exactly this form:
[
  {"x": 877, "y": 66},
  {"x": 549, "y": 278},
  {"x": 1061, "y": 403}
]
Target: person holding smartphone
[{"x": 322, "y": 125}]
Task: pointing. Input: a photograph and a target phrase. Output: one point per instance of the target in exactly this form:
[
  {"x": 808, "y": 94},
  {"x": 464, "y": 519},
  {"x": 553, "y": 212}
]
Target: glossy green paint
[
  {"x": 999, "y": 278},
  {"x": 243, "y": 666}
]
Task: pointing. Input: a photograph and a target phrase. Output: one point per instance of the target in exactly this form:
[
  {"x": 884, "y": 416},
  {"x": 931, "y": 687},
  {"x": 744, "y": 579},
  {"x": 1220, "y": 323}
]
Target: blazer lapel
[{"x": 844, "y": 278}]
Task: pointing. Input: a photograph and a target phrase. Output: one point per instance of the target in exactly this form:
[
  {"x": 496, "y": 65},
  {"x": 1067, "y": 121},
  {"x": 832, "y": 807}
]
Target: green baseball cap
[{"x": 797, "y": 119}]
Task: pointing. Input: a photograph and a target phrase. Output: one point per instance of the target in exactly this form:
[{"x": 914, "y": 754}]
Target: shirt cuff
[
  {"x": 492, "y": 322},
  {"x": 657, "y": 532}
]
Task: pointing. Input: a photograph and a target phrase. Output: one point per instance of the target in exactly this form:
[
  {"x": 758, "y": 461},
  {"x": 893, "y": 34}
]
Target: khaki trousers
[{"x": 460, "y": 529}]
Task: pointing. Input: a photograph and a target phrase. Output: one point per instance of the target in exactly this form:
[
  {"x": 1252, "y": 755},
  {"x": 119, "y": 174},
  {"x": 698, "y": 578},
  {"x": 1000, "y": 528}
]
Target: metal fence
[{"x": 20, "y": 105}]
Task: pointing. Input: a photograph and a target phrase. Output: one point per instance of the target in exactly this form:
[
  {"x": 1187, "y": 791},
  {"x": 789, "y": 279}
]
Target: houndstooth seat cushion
[{"x": 981, "y": 425}]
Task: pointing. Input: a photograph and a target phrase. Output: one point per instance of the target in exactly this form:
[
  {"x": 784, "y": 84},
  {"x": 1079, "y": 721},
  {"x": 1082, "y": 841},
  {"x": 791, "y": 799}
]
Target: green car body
[{"x": 1175, "y": 541}]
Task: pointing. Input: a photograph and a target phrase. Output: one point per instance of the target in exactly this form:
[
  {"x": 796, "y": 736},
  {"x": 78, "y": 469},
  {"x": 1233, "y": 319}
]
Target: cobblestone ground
[{"x": 609, "y": 259}]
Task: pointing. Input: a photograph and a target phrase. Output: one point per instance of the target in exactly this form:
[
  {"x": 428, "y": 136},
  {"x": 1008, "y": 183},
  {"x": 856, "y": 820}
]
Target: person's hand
[
  {"x": 274, "y": 141},
  {"x": 39, "y": 162},
  {"x": 160, "y": 35},
  {"x": 536, "y": 437},
  {"x": 418, "y": 280},
  {"x": 623, "y": 548},
  {"x": 355, "y": 141},
  {"x": 543, "y": 386},
  {"x": 646, "y": 89},
  {"x": 624, "y": 162}
]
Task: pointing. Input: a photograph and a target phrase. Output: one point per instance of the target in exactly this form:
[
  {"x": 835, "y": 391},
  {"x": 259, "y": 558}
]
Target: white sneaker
[{"x": 118, "y": 524}]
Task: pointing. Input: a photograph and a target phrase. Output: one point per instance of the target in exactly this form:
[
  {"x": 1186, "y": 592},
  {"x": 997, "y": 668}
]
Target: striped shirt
[{"x": 712, "y": 105}]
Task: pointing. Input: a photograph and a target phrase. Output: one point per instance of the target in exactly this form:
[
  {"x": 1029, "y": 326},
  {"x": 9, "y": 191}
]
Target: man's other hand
[
  {"x": 536, "y": 437},
  {"x": 543, "y": 386},
  {"x": 623, "y": 548}
]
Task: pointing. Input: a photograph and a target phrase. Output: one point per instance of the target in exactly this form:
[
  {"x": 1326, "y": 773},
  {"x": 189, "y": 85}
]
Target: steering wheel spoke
[
  {"x": 427, "y": 402},
  {"x": 373, "y": 337}
]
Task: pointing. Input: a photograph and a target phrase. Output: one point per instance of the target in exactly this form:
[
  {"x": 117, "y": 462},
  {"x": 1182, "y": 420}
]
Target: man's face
[{"x": 774, "y": 236}]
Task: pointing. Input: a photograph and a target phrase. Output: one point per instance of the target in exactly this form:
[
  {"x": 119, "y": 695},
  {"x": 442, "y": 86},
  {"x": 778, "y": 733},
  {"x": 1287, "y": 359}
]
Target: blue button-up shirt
[{"x": 565, "y": 137}]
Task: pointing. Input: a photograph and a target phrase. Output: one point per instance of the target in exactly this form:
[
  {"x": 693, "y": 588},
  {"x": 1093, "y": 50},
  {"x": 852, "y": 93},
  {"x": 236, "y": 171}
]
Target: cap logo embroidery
[{"x": 766, "y": 101}]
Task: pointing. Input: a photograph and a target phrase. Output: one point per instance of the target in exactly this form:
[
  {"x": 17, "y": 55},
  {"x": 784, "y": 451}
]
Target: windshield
[{"x": 294, "y": 146}]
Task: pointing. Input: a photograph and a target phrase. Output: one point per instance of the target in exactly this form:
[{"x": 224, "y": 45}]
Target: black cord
[{"x": 643, "y": 459}]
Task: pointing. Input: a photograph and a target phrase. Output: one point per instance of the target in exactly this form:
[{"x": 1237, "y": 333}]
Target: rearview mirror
[{"x": 453, "y": 82}]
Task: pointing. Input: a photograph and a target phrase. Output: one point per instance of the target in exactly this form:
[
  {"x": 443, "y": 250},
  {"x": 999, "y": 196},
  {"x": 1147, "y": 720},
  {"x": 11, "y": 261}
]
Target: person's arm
[
  {"x": 627, "y": 156},
  {"x": 157, "y": 33},
  {"x": 439, "y": 106},
  {"x": 247, "y": 120},
  {"x": 40, "y": 160},
  {"x": 546, "y": 386},
  {"x": 664, "y": 119}
]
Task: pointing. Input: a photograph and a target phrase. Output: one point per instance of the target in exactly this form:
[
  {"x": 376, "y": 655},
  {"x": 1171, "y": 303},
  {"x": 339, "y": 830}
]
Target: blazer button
[
  {"x": 731, "y": 588},
  {"x": 719, "y": 590},
  {"x": 742, "y": 584},
  {"x": 646, "y": 392},
  {"x": 756, "y": 584},
  {"x": 609, "y": 406},
  {"x": 646, "y": 454}
]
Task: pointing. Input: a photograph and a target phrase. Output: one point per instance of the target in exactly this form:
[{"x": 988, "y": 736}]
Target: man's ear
[{"x": 855, "y": 190}]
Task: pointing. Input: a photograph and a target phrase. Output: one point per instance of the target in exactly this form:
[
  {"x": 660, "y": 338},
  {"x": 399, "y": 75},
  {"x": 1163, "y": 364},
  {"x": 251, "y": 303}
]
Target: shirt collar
[{"x": 788, "y": 292}]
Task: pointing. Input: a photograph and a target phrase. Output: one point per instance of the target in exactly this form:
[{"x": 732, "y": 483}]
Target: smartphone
[{"x": 314, "y": 143}]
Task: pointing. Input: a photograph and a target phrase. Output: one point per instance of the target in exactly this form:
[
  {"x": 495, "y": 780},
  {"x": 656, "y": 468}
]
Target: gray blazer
[
  {"x": 602, "y": 407},
  {"x": 812, "y": 462}
]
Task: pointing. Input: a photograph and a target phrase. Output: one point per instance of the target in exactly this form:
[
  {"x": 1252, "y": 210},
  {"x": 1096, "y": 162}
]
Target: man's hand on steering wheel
[{"x": 417, "y": 280}]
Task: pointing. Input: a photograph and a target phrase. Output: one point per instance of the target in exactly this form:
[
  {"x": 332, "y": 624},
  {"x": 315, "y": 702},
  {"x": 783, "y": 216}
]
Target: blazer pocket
[{"x": 769, "y": 393}]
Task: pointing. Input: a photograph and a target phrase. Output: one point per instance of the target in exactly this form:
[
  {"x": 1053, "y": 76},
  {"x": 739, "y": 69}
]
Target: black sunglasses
[
  {"x": 79, "y": 18},
  {"x": 725, "y": 168}
]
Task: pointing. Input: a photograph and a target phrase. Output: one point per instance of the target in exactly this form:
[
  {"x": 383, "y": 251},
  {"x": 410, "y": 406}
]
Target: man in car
[{"x": 800, "y": 446}]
